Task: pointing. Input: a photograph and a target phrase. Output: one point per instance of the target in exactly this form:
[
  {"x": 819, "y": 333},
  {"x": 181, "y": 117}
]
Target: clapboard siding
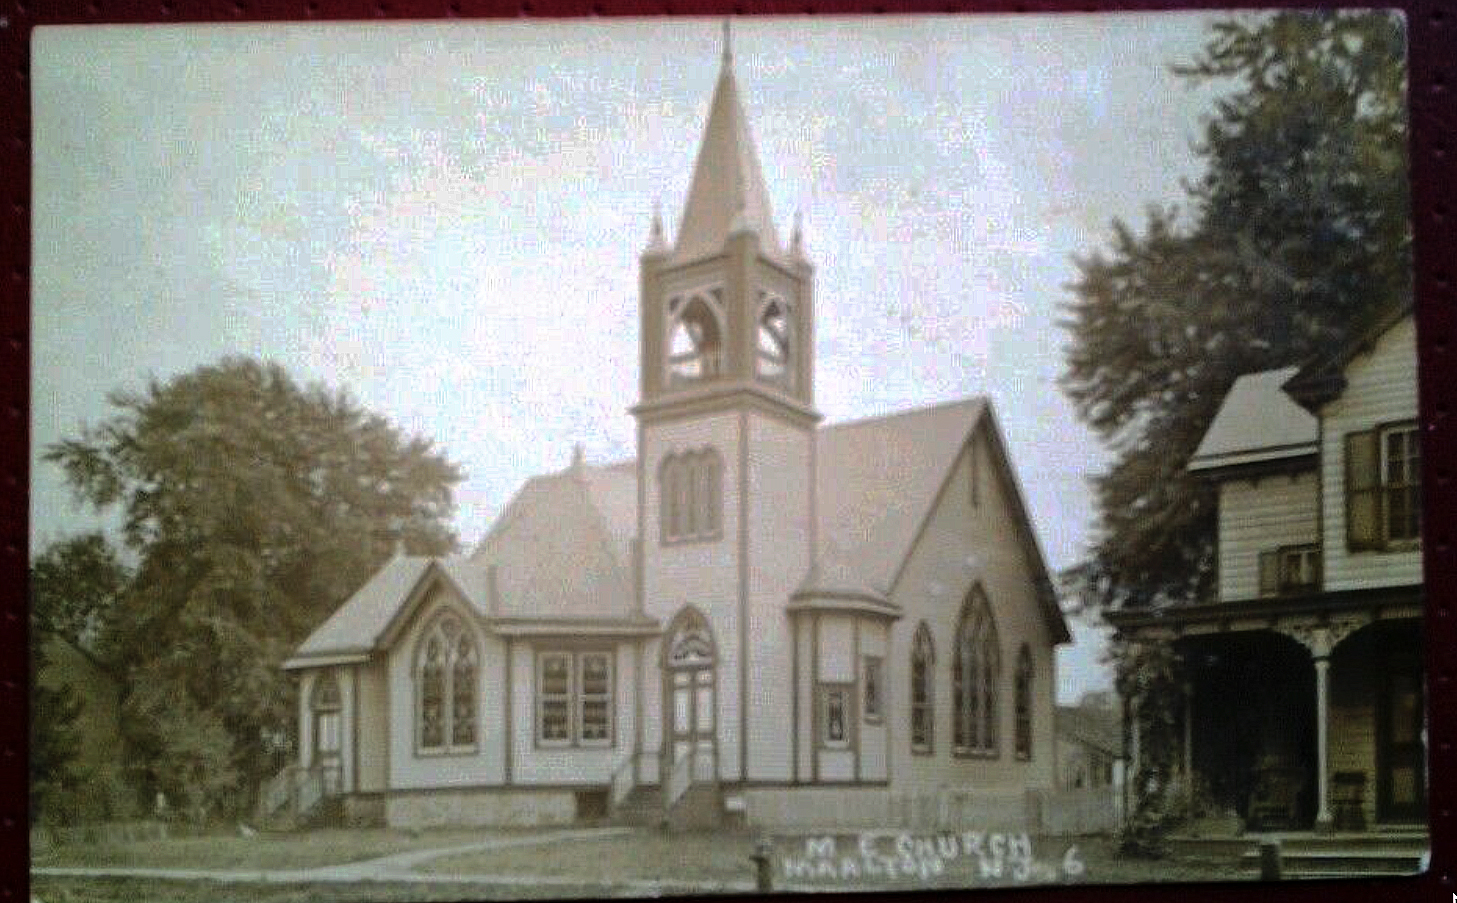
[
  {"x": 1257, "y": 515},
  {"x": 1380, "y": 388}
]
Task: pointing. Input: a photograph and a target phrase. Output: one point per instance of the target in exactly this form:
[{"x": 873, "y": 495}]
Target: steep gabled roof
[
  {"x": 1322, "y": 379},
  {"x": 727, "y": 193},
  {"x": 1256, "y": 423},
  {"x": 556, "y": 555},
  {"x": 560, "y": 554},
  {"x": 1098, "y": 728}
]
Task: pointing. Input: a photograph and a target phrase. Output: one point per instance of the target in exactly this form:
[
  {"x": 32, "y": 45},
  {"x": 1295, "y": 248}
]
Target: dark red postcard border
[{"x": 1433, "y": 68}]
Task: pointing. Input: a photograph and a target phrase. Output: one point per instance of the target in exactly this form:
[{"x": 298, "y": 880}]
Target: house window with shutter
[{"x": 1383, "y": 488}]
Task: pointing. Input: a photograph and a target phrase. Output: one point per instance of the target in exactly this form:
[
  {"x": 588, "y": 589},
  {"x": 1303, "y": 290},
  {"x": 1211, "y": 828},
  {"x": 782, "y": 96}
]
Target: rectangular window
[
  {"x": 835, "y": 715},
  {"x": 1290, "y": 570},
  {"x": 595, "y": 698},
  {"x": 1401, "y": 483},
  {"x": 554, "y": 699},
  {"x": 1383, "y": 488},
  {"x": 873, "y": 689},
  {"x": 574, "y": 698}
]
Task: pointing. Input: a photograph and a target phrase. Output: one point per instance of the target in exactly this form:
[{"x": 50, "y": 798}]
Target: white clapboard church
[{"x": 760, "y": 618}]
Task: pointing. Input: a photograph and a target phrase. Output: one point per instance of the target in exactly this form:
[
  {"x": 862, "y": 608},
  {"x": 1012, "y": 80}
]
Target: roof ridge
[{"x": 906, "y": 412}]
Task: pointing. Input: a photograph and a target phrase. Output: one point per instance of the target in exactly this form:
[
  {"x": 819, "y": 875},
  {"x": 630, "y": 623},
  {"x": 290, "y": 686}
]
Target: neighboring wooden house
[
  {"x": 1089, "y": 746},
  {"x": 758, "y": 615},
  {"x": 1305, "y": 705}
]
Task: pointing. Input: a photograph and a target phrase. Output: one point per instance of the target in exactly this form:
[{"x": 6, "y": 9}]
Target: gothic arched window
[
  {"x": 774, "y": 340},
  {"x": 446, "y": 671},
  {"x": 923, "y": 710},
  {"x": 690, "y": 490},
  {"x": 695, "y": 338},
  {"x": 1022, "y": 703},
  {"x": 975, "y": 673}
]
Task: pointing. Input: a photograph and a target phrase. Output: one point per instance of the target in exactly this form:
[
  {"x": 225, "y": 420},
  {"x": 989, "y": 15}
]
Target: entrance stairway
[
  {"x": 299, "y": 797},
  {"x": 687, "y": 797},
  {"x": 1305, "y": 854}
]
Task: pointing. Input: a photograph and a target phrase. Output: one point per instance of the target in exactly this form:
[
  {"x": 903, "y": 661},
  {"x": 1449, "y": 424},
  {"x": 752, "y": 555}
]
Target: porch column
[{"x": 1323, "y": 819}]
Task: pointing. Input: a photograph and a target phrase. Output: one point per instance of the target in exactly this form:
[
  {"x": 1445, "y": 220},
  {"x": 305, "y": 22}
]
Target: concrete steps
[{"x": 643, "y": 807}]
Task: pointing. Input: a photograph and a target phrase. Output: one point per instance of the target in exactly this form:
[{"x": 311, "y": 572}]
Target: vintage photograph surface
[{"x": 615, "y": 458}]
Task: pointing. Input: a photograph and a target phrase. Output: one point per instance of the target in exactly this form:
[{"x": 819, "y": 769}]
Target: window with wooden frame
[
  {"x": 835, "y": 716},
  {"x": 1383, "y": 488},
  {"x": 975, "y": 674},
  {"x": 447, "y": 673},
  {"x": 575, "y": 697},
  {"x": 1022, "y": 704},
  {"x": 923, "y": 712},
  {"x": 872, "y": 690},
  {"x": 327, "y": 705},
  {"x": 1290, "y": 570}
]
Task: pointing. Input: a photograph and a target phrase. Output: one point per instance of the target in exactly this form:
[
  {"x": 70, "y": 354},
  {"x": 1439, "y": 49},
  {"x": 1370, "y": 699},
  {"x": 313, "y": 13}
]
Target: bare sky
[{"x": 446, "y": 218}]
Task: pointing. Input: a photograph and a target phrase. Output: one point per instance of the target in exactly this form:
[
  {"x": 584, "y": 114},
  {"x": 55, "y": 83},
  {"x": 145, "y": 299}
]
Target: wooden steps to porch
[
  {"x": 1307, "y": 855},
  {"x": 643, "y": 807}
]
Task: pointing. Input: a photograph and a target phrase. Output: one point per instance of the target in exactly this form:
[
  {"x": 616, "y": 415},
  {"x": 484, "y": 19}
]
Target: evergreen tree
[
  {"x": 254, "y": 508},
  {"x": 1295, "y": 235}
]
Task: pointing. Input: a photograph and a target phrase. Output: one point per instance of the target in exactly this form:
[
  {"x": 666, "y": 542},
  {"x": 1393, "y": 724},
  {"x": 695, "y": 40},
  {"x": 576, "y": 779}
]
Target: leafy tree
[
  {"x": 54, "y": 741},
  {"x": 255, "y": 507},
  {"x": 1296, "y": 233},
  {"x": 74, "y": 588}
]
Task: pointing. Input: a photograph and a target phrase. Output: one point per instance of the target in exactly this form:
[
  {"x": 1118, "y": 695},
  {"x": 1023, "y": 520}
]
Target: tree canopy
[
  {"x": 1296, "y": 233},
  {"x": 254, "y": 507}
]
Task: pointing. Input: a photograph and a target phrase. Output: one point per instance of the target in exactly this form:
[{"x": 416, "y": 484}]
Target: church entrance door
[{"x": 690, "y": 702}]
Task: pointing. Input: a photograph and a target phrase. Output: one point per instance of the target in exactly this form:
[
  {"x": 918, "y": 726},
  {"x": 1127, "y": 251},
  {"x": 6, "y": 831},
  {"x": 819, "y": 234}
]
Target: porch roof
[{"x": 1251, "y": 613}]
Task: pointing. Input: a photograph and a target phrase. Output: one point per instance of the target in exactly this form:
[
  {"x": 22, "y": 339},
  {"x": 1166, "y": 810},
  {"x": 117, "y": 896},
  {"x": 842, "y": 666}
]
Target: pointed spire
[
  {"x": 796, "y": 241},
  {"x": 727, "y": 193},
  {"x": 657, "y": 243},
  {"x": 578, "y": 459},
  {"x": 728, "y": 44}
]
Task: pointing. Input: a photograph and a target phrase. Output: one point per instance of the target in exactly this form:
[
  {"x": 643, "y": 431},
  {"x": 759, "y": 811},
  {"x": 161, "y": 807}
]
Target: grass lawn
[
  {"x": 723, "y": 857},
  {"x": 139, "y": 890},
  {"x": 305, "y": 849}
]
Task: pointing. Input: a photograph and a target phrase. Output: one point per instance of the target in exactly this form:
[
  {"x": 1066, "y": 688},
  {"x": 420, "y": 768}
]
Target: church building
[{"x": 760, "y": 619}]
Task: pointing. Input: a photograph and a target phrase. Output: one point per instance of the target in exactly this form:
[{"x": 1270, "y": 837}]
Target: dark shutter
[
  {"x": 1269, "y": 573},
  {"x": 1363, "y": 491}
]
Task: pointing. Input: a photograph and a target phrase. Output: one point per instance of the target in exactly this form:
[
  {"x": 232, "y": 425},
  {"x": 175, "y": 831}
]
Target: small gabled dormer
[{"x": 1262, "y": 452}]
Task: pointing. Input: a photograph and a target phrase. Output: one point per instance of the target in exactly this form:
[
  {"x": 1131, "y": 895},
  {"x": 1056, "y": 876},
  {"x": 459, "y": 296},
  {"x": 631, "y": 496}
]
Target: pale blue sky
[{"x": 445, "y": 218}]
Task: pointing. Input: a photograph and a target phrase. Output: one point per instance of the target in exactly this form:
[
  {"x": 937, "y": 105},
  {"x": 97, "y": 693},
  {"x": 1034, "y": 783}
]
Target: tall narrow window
[
  {"x": 1401, "y": 483},
  {"x": 325, "y": 702},
  {"x": 554, "y": 699},
  {"x": 975, "y": 678},
  {"x": 923, "y": 658},
  {"x": 595, "y": 700},
  {"x": 447, "y": 673},
  {"x": 835, "y": 715},
  {"x": 873, "y": 691},
  {"x": 1022, "y": 702},
  {"x": 690, "y": 486}
]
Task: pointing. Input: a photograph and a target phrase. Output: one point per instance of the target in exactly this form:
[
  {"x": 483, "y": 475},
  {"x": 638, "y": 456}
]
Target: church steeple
[{"x": 727, "y": 193}]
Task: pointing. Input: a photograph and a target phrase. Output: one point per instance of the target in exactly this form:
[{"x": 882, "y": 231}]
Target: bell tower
[
  {"x": 726, "y": 450},
  {"x": 726, "y": 305}
]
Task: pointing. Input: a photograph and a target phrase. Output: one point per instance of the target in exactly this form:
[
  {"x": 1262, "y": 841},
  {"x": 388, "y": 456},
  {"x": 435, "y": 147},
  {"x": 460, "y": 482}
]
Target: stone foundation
[
  {"x": 364, "y": 810},
  {"x": 480, "y": 807},
  {"x": 882, "y": 807}
]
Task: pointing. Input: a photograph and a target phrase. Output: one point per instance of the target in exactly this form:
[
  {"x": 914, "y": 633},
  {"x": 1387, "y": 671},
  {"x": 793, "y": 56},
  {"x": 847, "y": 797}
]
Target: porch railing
[
  {"x": 297, "y": 790},
  {"x": 696, "y": 766},
  {"x": 637, "y": 769}
]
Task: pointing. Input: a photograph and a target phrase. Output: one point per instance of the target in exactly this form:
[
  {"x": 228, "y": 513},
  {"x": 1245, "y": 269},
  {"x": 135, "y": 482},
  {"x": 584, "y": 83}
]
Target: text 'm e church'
[{"x": 759, "y": 619}]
